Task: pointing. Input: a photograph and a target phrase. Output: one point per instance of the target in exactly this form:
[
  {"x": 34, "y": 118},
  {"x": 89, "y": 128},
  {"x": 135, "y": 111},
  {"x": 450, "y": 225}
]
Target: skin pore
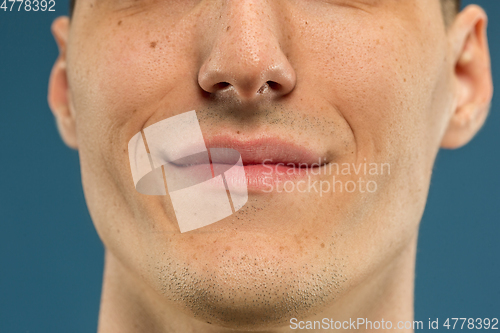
[{"x": 351, "y": 81}]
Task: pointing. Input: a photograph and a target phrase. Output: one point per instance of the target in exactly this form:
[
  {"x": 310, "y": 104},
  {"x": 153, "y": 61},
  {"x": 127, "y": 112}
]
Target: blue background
[{"x": 51, "y": 259}]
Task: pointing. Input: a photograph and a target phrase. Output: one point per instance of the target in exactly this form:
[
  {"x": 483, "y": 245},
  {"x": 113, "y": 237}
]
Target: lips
[{"x": 268, "y": 161}]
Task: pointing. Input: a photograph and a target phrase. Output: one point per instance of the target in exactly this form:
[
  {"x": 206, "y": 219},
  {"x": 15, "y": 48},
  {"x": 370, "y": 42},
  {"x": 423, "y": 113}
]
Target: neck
[{"x": 128, "y": 304}]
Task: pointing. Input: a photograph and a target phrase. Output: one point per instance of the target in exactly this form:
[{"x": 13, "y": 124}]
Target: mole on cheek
[{"x": 153, "y": 45}]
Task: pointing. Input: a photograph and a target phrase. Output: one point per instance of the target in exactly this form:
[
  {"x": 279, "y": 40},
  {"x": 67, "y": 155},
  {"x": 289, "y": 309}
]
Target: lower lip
[
  {"x": 267, "y": 177},
  {"x": 259, "y": 177}
]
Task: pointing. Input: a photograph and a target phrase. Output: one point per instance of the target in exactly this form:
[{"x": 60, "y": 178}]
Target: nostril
[
  {"x": 274, "y": 85},
  {"x": 269, "y": 85},
  {"x": 221, "y": 85}
]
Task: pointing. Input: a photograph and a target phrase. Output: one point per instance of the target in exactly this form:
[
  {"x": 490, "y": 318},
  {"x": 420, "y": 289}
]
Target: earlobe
[
  {"x": 58, "y": 94},
  {"x": 472, "y": 76}
]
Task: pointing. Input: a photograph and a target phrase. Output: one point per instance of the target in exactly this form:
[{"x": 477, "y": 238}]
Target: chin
[
  {"x": 239, "y": 290},
  {"x": 252, "y": 308}
]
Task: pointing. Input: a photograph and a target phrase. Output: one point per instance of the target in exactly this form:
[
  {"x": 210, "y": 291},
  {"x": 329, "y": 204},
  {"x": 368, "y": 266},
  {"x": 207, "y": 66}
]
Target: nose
[{"x": 245, "y": 58}]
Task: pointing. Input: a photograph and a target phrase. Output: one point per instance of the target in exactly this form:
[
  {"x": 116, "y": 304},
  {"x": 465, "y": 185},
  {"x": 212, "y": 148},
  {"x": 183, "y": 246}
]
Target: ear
[
  {"x": 58, "y": 95},
  {"x": 472, "y": 76}
]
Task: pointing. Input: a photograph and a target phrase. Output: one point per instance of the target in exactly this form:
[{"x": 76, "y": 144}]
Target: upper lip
[{"x": 269, "y": 150}]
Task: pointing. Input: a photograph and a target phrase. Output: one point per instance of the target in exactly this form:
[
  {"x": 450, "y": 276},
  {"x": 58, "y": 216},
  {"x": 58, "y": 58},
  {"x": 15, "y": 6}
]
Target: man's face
[{"x": 362, "y": 82}]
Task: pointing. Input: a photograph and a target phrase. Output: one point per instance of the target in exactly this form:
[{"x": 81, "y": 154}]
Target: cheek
[
  {"x": 118, "y": 79},
  {"x": 383, "y": 82},
  {"x": 123, "y": 70},
  {"x": 125, "y": 65},
  {"x": 120, "y": 75},
  {"x": 379, "y": 80}
]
